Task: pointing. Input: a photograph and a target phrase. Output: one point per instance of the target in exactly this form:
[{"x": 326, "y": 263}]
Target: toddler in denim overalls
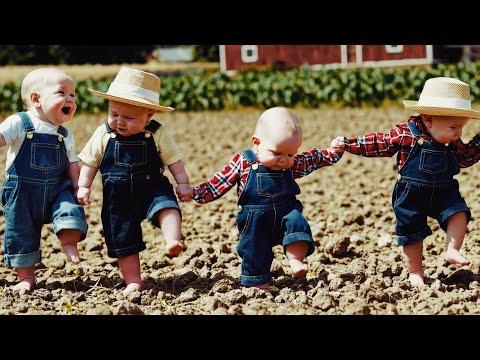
[
  {"x": 131, "y": 151},
  {"x": 41, "y": 174},
  {"x": 268, "y": 212},
  {"x": 430, "y": 154}
]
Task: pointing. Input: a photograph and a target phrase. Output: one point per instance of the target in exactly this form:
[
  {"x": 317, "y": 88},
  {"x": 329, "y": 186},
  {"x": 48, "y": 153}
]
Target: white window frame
[
  {"x": 394, "y": 49},
  {"x": 249, "y": 58}
]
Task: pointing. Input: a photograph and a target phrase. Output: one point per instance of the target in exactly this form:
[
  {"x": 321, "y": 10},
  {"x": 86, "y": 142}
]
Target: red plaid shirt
[
  {"x": 237, "y": 170},
  {"x": 401, "y": 140}
]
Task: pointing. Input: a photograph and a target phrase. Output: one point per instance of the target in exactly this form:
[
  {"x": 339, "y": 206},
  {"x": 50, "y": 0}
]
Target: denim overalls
[
  {"x": 268, "y": 214},
  {"x": 426, "y": 187},
  {"x": 37, "y": 191},
  {"x": 134, "y": 188}
]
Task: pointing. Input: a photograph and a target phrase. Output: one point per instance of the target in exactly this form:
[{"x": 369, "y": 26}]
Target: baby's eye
[
  {"x": 291, "y": 155},
  {"x": 275, "y": 153}
]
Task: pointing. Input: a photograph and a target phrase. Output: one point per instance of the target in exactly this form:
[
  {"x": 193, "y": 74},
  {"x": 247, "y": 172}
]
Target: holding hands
[
  {"x": 83, "y": 195},
  {"x": 184, "y": 192},
  {"x": 338, "y": 145}
]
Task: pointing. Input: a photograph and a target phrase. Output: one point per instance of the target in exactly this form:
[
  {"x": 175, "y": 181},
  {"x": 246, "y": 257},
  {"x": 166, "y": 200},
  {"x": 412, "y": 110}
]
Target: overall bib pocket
[{"x": 433, "y": 162}]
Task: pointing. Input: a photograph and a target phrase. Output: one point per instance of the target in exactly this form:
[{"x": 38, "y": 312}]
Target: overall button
[
  {"x": 60, "y": 138},
  {"x": 29, "y": 135},
  {"x": 147, "y": 134},
  {"x": 113, "y": 135},
  {"x": 7, "y": 176},
  {"x": 399, "y": 177},
  {"x": 240, "y": 208},
  {"x": 420, "y": 141},
  {"x": 255, "y": 166}
]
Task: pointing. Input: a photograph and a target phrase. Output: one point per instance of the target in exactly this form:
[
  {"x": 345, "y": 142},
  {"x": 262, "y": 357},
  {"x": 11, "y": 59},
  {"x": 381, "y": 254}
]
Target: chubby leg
[
  {"x": 69, "y": 239},
  {"x": 171, "y": 225},
  {"x": 456, "y": 229},
  {"x": 26, "y": 279},
  {"x": 130, "y": 268},
  {"x": 296, "y": 253},
  {"x": 413, "y": 257}
]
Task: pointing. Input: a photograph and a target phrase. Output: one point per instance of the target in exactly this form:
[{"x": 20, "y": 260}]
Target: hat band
[
  {"x": 441, "y": 102},
  {"x": 121, "y": 89}
]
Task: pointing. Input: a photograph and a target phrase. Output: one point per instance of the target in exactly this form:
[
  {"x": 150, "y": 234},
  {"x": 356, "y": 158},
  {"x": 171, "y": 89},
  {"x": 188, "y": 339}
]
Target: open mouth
[{"x": 66, "y": 110}]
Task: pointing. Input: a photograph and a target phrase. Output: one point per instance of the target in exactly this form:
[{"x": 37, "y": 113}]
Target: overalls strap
[
  {"x": 62, "y": 131},
  {"x": 414, "y": 129},
  {"x": 153, "y": 126},
  {"x": 27, "y": 122},
  {"x": 249, "y": 156}
]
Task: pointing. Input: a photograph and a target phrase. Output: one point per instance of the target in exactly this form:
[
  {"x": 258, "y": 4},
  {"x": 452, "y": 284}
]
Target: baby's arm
[
  {"x": 184, "y": 190},
  {"x": 3, "y": 142},
  {"x": 73, "y": 174},
  {"x": 87, "y": 174},
  {"x": 467, "y": 154}
]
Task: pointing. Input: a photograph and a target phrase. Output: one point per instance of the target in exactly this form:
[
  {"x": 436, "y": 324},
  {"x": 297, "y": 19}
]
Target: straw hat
[
  {"x": 135, "y": 87},
  {"x": 444, "y": 96}
]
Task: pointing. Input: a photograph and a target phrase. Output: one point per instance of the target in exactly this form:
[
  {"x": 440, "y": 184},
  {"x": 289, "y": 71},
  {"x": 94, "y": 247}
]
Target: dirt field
[{"x": 357, "y": 267}]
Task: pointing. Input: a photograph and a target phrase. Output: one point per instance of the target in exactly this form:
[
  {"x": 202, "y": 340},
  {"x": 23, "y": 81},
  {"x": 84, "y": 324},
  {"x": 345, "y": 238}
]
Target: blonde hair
[
  {"x": 278, "y": 116},
  {"x": 36, "y": 79}
]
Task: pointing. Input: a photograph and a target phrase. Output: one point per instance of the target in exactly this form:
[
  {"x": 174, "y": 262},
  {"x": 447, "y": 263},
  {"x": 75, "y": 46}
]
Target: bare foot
[
  {"x": 174, "y": 247},
  {"x": 453, "y": 256},
  {"x": 71, "y": 252},
  {"x": 416, "y": 279},
  {"x": 132, "y": 287},
  {"x": 24, "y": 286},
  {"x": 299, "y": 268}
]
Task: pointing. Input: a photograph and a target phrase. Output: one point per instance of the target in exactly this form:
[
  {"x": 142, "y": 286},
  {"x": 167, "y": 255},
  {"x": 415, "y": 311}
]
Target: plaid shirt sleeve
[
  {"x": 467, "y": 154},
  {"x": 220, "y": 183},
  {"x": 308, "y": 161},
  {"x": 377, "y": 144}
]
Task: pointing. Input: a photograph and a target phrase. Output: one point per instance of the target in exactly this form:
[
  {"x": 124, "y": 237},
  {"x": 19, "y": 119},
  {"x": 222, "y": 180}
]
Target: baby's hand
[
  {"x": 83, "y": 195},
  {"x": 338, "y": 145},
  {"x": 184, "y": 192}
]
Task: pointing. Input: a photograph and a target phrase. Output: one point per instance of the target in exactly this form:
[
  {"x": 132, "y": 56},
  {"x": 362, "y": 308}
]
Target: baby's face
[
  {"x": 277, "y": 148},
  {"x": 128, "y": 119},
  {"x": 446, "y": 129},
  {"x": 57, "y": 99}
]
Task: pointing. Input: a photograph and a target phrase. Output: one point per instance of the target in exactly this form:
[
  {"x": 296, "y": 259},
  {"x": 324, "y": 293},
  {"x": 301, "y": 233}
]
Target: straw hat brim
[
  {"x": 433, "y": 110},
  {"x": 132, "y": 100}
]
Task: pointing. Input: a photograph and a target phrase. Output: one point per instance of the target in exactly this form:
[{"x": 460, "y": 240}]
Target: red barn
[{"x": 237, "y": 57}]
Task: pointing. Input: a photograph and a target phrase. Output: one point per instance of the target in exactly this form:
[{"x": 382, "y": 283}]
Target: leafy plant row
[{"x": 300, "y": 87}]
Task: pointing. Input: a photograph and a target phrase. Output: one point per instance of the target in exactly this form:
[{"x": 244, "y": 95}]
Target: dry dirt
[{"x": 357, "y": 267}]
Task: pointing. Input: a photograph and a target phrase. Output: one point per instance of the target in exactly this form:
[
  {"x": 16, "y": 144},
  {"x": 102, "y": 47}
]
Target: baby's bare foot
[
  {"x": 174, "y": 247},
  {"x": 299, "y": 268},
  {"x": 452, "y": 256},
  {"x": 24, "y": 286},
  {"x": 133, "y": 287},
  {"x": 416, "y": 279},
  {"x": 72, "y": 254}
]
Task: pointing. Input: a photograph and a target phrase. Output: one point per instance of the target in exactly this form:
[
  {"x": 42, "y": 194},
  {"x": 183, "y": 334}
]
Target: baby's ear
[
  {"x": 151, "y": 112},
  {"x": 255, "y": 140},
  {"x": 427, "y": 120},
  {"x": 34, "y": 97}
]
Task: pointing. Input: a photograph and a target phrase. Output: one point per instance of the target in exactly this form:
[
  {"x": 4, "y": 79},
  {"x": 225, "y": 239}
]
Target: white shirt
[{"x": 14, "y": 133}]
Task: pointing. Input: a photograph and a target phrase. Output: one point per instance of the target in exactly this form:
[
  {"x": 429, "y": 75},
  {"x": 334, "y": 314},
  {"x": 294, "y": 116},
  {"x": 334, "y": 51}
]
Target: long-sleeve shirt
[
  {"x": 236, "y": 172},
  {"x": 401, "y": 140}
]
